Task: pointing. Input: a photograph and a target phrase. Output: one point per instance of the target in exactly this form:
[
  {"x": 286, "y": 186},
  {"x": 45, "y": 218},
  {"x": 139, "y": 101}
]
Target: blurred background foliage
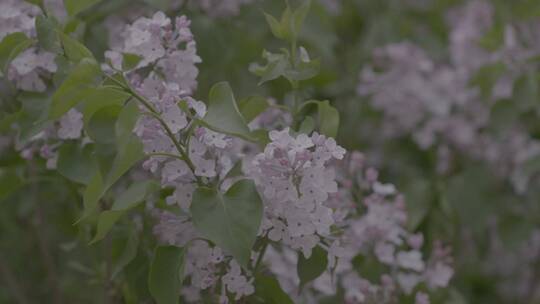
[{"x": 45, "y": 258}]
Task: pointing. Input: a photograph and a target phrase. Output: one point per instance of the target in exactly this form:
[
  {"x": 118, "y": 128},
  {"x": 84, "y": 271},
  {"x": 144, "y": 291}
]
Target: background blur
[{"x": 441, "y": 95}]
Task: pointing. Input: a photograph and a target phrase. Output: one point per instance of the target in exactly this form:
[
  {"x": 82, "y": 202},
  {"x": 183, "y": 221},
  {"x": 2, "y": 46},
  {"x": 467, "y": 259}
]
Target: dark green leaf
[
  {"x": 48, "y": 34},
  {"x": 102, "y": 125},
  {"x": 230, "y": 220},
  {"x": 100, "y": 98},
  {"x": 127, "y": 254},
  {"x": 311, "y": 268},
  {"x": 75, "y": 88},
  {"x": 76, "y": 163},
  {"x": 132, "y": 197},
  {"x": 11, "y": 46},
  {"x": 165, "y": 277},
  {"x": 73, "y": 7},
  {"x": 268, "y": 289}
]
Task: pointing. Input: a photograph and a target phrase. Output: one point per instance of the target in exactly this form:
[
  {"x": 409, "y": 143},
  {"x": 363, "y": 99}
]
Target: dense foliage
[{"x": 257, "y": 151}]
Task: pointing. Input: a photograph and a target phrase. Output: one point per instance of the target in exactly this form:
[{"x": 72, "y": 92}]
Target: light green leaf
[
  {"x": 11, "y": 46},
  {"x": 328, "y": 119},
  {"x": 73, "y": 49},
  {"x": 252, "y": 106},
  {"x": 223, "y": 114},
  {"x": 268, "y": 289},
  {"x": 275, "y": 26},
  {"x": 277, "y": 65},
  {"x": 303, "y": 71},
  {"x": 75, "y": 88},
  {"x": 307, "y": 126},
  {"x": 311, "y": 268},
  {"x": 165, "y": 277},
  {"x": 73, "y": 7},
  {"x": 130, "y": 61},
  {"x": 298, "y": 18},
  {"x": 132, "y": 197},
  {"x": 76, "y": 163},
  {"x": 230, "y": 220}
]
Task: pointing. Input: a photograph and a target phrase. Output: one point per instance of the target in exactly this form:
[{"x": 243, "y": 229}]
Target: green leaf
[
  {"x": 298, "y": 17},
  {"x": 127, "y": 254},
  {"x": 223, "y": 114},
  {"x": 32, "y": 118},
  {"x": 275, "y": 26},
  {"x": 307, "y": 126},
  {"x": 101, "y": 126},
  {"x": 76, "y": 163},
  {"x": 73, "y": 7},
  {"x": 165, "y": 277},
  {"x": 311, "y": 268},
  {"x": 126, "y": 122},
  {"x": 277, "y": 65},
  {"x": 230, "y": 220},
  {"x": 130, "y": 61},
  {"x": 48, "y": 34},
  {"x": 93, "y": 192},
  {"x": 127, "y": 156},
  {"x": 268, "y": 289},
  {"x": 77, "y": 86},
  {"x": 73, "y": 49},
  {"x": 102, "y": 97},
  {"x": 11, "y": 46},
  {"x": 328, "y": 119},
  {"x": 252, "y": 106},
  {"x": 303, "y": 71},
  {"x": 132, "y": 197}
]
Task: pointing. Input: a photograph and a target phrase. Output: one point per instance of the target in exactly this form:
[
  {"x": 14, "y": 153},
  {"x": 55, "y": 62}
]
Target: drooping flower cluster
[
  {"x": 295, "y": 177},
  {"x": 373, "y": 231}
]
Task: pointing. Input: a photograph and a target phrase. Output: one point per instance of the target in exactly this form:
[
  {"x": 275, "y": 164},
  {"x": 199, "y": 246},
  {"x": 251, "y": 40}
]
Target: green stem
[
  {"x": 152, "y": 112},
  {"x": 261, "y": 255}
]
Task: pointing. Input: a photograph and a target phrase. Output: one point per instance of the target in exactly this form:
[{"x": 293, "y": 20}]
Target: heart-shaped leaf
[
  {"x": 230, "y": 220},
  {"x": 310, "y": 269},
  {"x": 223, "y": 114}
]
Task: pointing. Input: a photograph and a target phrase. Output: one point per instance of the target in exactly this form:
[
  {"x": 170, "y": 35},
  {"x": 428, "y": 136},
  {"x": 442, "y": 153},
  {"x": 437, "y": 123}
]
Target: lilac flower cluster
[
  {"x": 295, "y": 177},
  {"x": 374, "y": 229},
  {"x": 30, "y": 71},
  {"x": 438, "y": 106}
]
